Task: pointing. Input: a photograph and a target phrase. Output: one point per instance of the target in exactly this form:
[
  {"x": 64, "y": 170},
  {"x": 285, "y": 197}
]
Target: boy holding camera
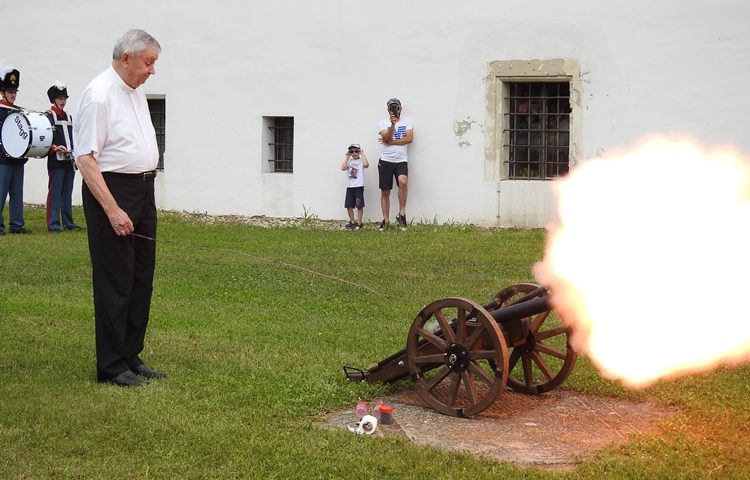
[{"x": 355, "y": 161}]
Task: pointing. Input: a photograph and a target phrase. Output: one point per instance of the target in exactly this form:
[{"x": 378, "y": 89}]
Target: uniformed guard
[
  {"x": 60, "y": 166},
  {"x": 11, "y": 168}
]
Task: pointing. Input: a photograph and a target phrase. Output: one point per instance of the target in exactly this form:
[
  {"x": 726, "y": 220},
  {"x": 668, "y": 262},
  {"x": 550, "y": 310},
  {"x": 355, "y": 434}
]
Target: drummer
[{"x": 11, "y": 168}]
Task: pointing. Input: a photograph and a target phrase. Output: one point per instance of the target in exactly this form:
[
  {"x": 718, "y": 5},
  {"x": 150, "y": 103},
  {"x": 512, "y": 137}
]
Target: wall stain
[{"x": 460, "y": 127}]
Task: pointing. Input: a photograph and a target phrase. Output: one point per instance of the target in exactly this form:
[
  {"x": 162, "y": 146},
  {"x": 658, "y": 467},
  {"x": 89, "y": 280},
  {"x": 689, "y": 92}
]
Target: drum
[{"x": 26, "y": 134}]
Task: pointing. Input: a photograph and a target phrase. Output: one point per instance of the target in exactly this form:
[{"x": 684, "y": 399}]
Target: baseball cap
[{"x": 393, "y": 101}]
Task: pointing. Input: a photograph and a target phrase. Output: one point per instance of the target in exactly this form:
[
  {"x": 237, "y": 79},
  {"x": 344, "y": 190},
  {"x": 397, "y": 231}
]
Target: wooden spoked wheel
[
  {"x": 544, "y": 359},
  {"x": 457, "y": 357}
]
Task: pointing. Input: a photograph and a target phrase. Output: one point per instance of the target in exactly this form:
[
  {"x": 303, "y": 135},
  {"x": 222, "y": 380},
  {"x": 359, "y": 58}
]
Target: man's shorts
[
  {"x": 355, "y": 197},
  {"x": 390, "y": 170}
]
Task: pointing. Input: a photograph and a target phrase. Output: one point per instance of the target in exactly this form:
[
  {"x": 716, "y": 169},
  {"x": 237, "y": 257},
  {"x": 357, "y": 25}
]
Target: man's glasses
[{"x": 353, "y": 151}]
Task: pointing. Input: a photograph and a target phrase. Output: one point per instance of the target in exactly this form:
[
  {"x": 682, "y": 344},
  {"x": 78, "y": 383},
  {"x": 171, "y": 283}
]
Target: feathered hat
[
  {"x": 9, "y": 78},
  {"x": 56, "y": 91}
]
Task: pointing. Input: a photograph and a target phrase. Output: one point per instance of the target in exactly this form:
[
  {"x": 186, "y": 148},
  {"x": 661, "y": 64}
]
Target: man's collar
[{"x": 127, "y": 88}]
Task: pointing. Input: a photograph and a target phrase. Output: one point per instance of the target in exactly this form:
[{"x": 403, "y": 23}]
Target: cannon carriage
[{"x": 460, "y": 355}]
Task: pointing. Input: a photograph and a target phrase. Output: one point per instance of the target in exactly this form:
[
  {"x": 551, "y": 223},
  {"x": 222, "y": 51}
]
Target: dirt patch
[{"x": 554, "y": 430}]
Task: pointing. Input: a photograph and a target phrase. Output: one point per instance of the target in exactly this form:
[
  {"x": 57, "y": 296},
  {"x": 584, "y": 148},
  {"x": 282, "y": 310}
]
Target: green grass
[{"x": 254, "y": 351}]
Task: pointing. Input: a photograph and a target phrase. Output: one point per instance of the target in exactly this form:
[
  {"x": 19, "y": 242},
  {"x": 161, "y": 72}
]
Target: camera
[
  {"x": 64, "y": 157},
  {"x": 393, "y": 108}
]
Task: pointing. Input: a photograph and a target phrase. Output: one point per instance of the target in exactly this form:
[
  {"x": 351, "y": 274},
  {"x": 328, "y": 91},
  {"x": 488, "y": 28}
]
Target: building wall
[{"x": 668, "y": 67}]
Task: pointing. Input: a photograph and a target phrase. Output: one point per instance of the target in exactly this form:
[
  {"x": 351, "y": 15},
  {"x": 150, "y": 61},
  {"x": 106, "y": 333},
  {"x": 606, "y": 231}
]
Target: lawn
[{"x": 253, "y": 325}]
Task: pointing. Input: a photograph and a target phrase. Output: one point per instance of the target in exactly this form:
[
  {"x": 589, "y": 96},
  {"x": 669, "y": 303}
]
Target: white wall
[{"x": 647, "y": 67}]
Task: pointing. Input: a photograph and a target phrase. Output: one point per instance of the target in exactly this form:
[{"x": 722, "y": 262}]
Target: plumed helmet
[
  {"x": 56, "y": 91},
  {"x": 9, "y": 78}
]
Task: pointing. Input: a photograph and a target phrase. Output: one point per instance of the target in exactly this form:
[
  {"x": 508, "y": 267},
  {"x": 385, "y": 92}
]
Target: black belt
[{"x": 145, "y": 176}]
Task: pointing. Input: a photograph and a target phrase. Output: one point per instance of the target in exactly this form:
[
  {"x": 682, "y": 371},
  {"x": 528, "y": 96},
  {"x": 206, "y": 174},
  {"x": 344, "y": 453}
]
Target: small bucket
[{"x": 386, "y": 414}]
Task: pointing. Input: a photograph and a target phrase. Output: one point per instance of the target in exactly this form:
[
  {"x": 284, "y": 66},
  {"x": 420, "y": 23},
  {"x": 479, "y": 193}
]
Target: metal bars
[
  {"x": 158, "y": 109},
  {"x": 537, "y": 130},
  {"x": 282, "y": 146}
]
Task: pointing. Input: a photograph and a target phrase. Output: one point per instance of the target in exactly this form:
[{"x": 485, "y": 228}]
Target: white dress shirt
[{"x": 113, "y": 124}]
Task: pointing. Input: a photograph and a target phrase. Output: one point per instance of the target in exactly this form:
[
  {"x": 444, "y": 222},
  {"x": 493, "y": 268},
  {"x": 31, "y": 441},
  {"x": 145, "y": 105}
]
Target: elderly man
[{"x": 117, "y": 156}]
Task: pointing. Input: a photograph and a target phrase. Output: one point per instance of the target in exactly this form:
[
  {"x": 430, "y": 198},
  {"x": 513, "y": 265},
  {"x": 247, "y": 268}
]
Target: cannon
[{"x": 460, "y": 355}]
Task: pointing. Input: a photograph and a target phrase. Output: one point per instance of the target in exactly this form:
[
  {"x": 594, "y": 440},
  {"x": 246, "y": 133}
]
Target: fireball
[{"x": 649, "y": 257}]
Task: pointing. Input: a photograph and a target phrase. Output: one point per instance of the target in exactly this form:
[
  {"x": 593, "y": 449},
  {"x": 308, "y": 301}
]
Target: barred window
[
  {"x": 158, "y": 109},
  {"x": 281, "y": 143},
  {"x": 537, "y": 129}
]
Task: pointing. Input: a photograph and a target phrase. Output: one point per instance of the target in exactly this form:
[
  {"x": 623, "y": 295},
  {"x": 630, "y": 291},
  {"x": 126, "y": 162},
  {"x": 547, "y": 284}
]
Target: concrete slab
[{"x": 554, "y": 430}]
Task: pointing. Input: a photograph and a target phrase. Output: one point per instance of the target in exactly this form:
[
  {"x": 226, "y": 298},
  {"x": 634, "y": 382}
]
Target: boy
[
  {"x": 11, "y": 168},
  {"x": 60, "y": 163},
  {"x": 355, "y": 161}
]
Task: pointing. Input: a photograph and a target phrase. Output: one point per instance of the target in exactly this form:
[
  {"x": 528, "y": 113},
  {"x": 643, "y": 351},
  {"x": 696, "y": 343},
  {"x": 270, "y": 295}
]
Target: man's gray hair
[{"x": 133, "y": 42}]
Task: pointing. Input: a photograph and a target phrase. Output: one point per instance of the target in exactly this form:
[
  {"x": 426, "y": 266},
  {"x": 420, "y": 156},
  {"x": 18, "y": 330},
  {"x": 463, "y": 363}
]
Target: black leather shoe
[
  {"x": 20, "y": 230},
  {"x": 126, "y": 379},
  {"x": 144, "y": 371}
]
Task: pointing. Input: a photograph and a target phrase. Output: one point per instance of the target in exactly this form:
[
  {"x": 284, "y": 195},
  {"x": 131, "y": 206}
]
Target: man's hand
[{"x": 121, "y": 223}]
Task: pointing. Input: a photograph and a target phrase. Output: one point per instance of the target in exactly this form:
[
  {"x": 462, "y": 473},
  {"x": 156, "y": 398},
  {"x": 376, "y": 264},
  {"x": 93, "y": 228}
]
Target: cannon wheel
[
  {"x": 546, "y": 358},
  {"x": 457, "y": 356}
]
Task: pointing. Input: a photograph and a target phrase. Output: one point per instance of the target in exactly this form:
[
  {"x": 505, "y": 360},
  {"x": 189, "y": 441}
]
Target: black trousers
[{"x": 122, "y": 272}]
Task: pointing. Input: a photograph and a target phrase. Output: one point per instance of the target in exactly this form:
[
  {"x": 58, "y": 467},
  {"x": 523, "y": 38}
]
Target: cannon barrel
[
  {"x": 520, "y": 310},
  {"x": 501, "y": 298}
]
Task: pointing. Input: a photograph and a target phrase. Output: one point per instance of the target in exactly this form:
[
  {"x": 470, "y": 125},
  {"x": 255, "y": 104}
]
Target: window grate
[
  {"x": 282, "y": 146},
  {"x": 537, "y": 133}
]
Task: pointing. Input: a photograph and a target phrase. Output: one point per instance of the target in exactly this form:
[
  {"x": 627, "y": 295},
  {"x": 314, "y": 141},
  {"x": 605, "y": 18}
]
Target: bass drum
[{"x": 26, "y": 134}]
